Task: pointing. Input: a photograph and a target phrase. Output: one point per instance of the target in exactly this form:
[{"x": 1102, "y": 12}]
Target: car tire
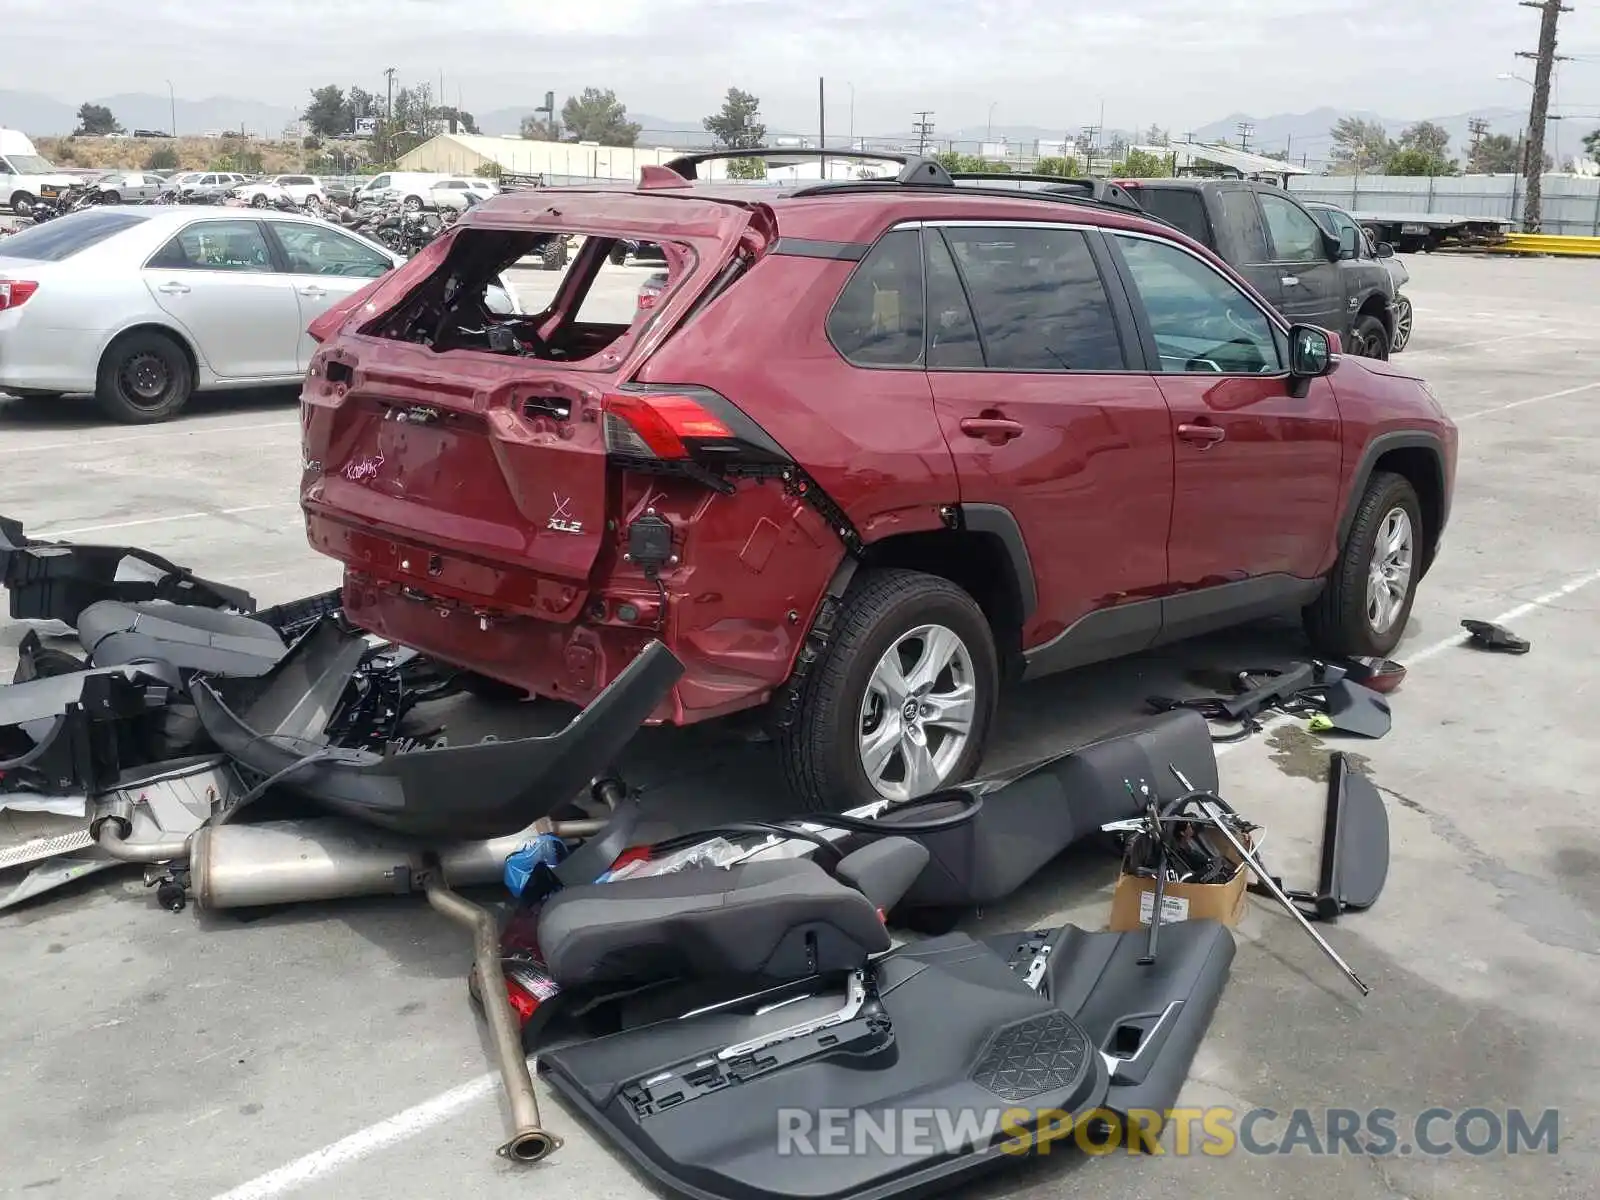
[
  {"x": 826, "y": 748},
  {"x": 618, "y": 256},
  {"x": 22, "y": 204},
  {"x": 259, "y": 200},
  {"x": 413, "y": 204},
  {"x": 1369, "y": 337},
  {"x": 554, "y": 255},
  {"x": 1360, "y": 614},
  {"x": 144, "y": 377}
]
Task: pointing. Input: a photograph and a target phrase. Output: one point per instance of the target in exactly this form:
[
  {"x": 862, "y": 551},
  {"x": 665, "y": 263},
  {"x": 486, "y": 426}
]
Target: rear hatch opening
[{"x": 460, "y": 455}]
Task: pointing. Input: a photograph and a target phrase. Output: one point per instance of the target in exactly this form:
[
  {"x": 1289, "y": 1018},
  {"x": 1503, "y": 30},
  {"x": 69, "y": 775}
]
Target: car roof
[{"x": 847, "y": 212}]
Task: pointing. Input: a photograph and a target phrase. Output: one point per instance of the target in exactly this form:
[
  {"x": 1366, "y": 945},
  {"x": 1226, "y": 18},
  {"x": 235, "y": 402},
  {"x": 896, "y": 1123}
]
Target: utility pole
[
  {"x": 822, "y": 123},
  {"x": 1545, "y": 58},
  {"x": 1246, "y": 130},
  {"x": 389, "y": 74},
  {"x": 924, "y": 128}
]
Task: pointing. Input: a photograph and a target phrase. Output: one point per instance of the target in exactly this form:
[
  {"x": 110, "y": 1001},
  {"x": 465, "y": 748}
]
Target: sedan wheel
[
  {"x": 1389, "y": 576},
  {"x": 918, "y": 713},
  {"x": 258, "y": 201},
  {"x": 1403, "y": 318},
  {"x": 144, "y": 378}
]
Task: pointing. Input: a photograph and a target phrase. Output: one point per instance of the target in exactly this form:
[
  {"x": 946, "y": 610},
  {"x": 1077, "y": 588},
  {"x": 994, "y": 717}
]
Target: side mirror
[
  {"x": 1349, "y": 242},
  {"x": 1385, "y": 250},
  {"x": 1313, "y": 352}
]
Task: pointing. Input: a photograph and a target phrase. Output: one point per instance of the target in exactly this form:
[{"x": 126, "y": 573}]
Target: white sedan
[
  {"x": 145, "y": 306},
  {"x": 301, "y": 189},
  {"x": 460, "y": 194}
]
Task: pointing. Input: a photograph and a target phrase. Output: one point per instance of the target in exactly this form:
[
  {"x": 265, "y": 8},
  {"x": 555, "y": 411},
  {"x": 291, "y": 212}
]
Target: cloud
[{"x": 1038, "y": 62}]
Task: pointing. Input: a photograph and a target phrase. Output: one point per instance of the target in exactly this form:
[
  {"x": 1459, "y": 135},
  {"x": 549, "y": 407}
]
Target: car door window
[
  {"x": 1242, "y": 219},
  {"x": 311, "y": 250},
  {"x": 877, "y": 320},
  {"x": 1202, "y": 323},
  {"x": 1295, "y": 236},
  {"x": 216, "y": 246},
  {"x": 1038, "y": 299},
  {"x": 953, "y": 343}
]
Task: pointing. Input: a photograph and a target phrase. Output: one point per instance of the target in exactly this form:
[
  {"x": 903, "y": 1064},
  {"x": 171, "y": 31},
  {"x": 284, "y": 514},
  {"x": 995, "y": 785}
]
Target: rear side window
[
  {"x": 1182, "y": 208},
  {"x": 1038, "y": 298},
  {"x": 58, "y": 240},
  {"x": 1242, "y": 219},
  {"x": 878, "y": 318},
  {"x": 953, "y": 343}
]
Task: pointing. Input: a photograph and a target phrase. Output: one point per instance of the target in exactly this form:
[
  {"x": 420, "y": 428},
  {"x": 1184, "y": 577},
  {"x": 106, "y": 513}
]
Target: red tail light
[
  {"x": 14, "y": 293},
  {"x": 659, "y": 425}
]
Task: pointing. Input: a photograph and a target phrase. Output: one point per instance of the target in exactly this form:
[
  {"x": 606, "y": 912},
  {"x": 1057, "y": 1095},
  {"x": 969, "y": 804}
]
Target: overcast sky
[{"x": 1179, "y": 63}]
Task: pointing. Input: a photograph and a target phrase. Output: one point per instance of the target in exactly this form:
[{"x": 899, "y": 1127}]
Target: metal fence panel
[{"x": 1571, "y": 204}]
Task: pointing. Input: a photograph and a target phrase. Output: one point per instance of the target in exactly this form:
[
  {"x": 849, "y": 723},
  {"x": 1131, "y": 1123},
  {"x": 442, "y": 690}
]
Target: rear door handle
[
  {"x": 1202, "y": 435},
  {"x": 997, "y": 429},
  {"x": 173, "y": 289},
  {"x": 314, "y": 292},
  {"x": 1291, "y": 281}
]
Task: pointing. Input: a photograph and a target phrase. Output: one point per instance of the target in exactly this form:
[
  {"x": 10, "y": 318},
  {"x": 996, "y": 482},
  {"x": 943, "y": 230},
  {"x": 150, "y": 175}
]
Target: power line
[
  {"x": 1546, "y": 59},
  {"x": 923, "y": 126}
]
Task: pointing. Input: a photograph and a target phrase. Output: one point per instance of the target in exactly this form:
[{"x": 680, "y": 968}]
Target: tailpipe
[
  {"x": 295, "y": 862},
  {"x": 529, "y": 1141}
]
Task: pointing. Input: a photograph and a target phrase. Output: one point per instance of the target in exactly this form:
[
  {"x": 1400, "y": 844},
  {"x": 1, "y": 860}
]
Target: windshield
[
  {"x": 60, "y": 239},
  {"x": 31, "y": 164}
]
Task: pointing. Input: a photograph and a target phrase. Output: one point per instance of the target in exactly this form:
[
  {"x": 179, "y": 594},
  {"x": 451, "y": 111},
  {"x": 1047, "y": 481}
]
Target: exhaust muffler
[{"x": 295, "y": 862}]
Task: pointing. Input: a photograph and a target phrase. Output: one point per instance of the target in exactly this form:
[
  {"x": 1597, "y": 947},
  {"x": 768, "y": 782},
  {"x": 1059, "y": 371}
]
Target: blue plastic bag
[{"x": 546, "y": 850}]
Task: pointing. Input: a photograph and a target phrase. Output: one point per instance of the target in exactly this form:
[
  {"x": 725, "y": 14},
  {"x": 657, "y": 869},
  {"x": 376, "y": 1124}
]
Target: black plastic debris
[{"x": 1488, "y": 636}]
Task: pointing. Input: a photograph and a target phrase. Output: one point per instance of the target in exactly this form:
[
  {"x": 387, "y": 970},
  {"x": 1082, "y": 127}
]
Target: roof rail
[
  {"x": 915, "y": 168},
  {"x": 1101, "y": 191}
]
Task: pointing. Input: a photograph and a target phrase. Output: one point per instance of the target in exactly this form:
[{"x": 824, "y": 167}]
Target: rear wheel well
[
  {"x": 1378, "y": 306},
  {"x": 977, "y": 563},
  {"x": 175, "y": 338},
  {"x": 1420, "y": 467}
]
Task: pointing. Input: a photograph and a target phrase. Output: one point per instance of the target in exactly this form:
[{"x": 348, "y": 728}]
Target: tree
[
  {"x": 737, "y": 126},
  {"x": 455, "y": 119},
  {"x": 96, "y": 120},
  {"x": 596, "y": 115},
  {"x": 1057, "y": 166},
  {"x": 1141, "y": 164},
  {"x": 1408, "y": 160},
  {"x": 541, "y": 129},
  {"x": 363, "y": 104},
  {"x": 1495, "y": 154},
  {"x": 328, "y": 114},
  {"x": 1433, "y": 140},
  {"x": 162, "y": 158},
  {"x": 1591, "y": 144},
  {"x": 1360, "y": 145},
  {"x": 747, "y": 168}
]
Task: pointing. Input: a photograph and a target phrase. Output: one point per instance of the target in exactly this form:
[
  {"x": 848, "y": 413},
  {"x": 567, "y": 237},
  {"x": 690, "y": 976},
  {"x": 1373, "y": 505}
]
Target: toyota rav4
[{"x": 875, "y": 449}]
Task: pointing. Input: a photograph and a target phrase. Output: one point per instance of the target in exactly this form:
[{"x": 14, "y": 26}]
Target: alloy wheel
[
  {"x": 1403, "y": 318},
  {"x": 918, "y": 713},
  {"x": 1389, "y": 577}
]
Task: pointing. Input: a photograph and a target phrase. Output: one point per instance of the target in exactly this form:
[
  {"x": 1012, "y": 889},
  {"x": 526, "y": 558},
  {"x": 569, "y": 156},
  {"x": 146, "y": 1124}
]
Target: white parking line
[
  {"x": 193, "y": 516},
  {"x": 1500, "y": 408},
  {"x": 169, "y": 435},
  {"x": 419, "y": 1118}
]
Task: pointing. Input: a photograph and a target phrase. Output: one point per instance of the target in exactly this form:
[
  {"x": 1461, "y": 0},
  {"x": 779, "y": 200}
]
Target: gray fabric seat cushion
[{"x": 784, "y": 919}]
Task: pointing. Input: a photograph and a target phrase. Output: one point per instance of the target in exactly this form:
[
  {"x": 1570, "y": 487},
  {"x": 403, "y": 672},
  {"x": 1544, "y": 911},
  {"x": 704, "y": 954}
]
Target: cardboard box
[{"x": 1134, "y": 900}]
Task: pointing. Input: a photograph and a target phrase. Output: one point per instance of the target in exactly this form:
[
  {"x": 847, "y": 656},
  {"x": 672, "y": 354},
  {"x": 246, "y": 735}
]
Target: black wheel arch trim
[
  {"x": 997, "y": 521},
  {"x": 1384, "y": 443}
]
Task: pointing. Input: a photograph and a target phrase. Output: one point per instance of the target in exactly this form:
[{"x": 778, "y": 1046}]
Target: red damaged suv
[{"x": 875, "y": 448}]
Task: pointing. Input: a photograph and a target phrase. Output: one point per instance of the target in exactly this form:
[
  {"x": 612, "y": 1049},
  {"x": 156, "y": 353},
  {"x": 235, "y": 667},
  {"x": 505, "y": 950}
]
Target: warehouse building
[{"x": 465, "y": 154}]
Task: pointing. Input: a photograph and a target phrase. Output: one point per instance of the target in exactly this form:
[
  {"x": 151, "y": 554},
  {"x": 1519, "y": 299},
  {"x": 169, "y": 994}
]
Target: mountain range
[{"x": 1301, "y": 133}]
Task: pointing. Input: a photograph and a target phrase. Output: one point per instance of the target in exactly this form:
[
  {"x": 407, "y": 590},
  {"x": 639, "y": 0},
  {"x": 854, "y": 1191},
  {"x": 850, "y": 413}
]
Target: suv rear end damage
[{"x": 508, "y": 495}]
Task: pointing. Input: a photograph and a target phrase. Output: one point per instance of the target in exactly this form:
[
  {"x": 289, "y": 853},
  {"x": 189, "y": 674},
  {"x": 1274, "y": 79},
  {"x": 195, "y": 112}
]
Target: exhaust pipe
[
  {"x": 529, "y": 1140},
  {"x": 294, "y": 862}
]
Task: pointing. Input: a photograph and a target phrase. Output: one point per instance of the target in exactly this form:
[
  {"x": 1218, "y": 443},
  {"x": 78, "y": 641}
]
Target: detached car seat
[{"x": 783, "y": 919}]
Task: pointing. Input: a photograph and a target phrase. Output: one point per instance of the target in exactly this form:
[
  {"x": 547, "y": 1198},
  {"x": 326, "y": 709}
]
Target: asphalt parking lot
[{"x": 330, "y": 1051}]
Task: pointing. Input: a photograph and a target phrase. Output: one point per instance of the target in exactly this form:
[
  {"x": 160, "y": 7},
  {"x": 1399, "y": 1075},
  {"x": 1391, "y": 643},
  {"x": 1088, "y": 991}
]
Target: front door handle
[
  {"x": 315, "y": 292},
  {"x": 1202, "y": 435},
  {"x": 993, "y": 429},
  {"x": 173, "y": 289},
  {"x": 1291, "y": 281}
]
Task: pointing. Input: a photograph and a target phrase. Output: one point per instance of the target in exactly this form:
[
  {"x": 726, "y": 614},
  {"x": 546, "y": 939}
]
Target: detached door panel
[
  {"x": 1044, "y": 418},
  {"x": 1256, "y": 469}
]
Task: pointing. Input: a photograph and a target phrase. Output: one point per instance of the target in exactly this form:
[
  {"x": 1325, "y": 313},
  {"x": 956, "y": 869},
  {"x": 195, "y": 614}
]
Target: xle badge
[{"x": 561, "y": 519}]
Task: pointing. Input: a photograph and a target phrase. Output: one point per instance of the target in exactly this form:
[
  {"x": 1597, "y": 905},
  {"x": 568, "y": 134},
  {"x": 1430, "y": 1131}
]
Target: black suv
[{"x": 1275, "y": 242}]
